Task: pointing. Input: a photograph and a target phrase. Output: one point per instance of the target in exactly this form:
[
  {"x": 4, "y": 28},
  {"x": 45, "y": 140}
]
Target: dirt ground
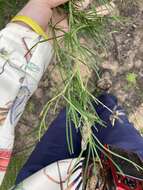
[{"x": 122, "y": 68}]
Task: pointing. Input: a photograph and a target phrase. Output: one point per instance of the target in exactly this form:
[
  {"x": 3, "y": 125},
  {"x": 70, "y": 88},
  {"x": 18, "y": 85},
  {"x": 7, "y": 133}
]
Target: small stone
[
  {"x": 128, "y": 35},
  {"x": 134, "y": 26},
  {"x": 105, "y": 82}
]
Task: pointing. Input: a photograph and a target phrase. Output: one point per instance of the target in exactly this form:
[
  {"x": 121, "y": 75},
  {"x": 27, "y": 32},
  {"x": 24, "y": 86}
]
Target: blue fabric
[{"x": 53, "y": 146}]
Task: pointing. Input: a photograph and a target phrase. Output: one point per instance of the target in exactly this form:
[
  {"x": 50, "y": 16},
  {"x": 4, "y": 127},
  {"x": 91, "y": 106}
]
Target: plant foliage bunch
[{"x": 71, "y": 53}]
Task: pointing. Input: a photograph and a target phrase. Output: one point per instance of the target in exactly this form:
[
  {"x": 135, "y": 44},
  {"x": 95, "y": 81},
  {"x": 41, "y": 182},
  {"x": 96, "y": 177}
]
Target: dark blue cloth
[{"x": 53, "y": 145}]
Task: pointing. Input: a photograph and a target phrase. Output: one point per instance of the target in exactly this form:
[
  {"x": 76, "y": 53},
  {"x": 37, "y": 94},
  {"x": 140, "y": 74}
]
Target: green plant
[
  {"x": 131, "y": 78},
  {"x": 71, "y": 54}
]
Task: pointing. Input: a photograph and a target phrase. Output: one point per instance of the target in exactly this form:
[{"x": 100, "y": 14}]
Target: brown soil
[{"x": 125, "y": 58}]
